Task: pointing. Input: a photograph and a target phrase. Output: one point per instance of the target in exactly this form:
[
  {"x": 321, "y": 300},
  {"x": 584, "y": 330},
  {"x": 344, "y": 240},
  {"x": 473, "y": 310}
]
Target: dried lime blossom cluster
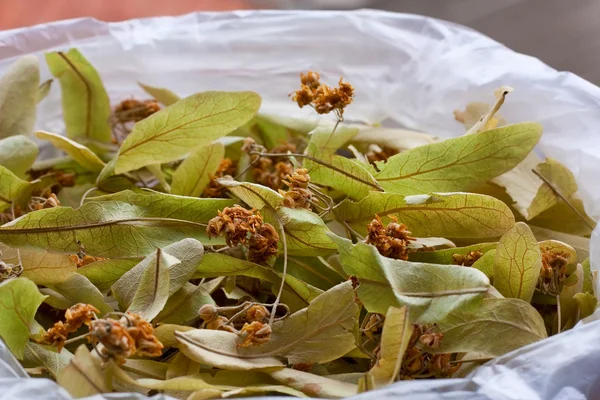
[
  {"x": 298, "y": 195},
  {"x": 418, "y": 363},
  {"x": 248, "y": 321},
  {"x": 130, "y": 111},
  {"x": 468, "y": 259},
  {"x": 214, "y": 189},
  {"x": 115, "y": 339},
  {"x": 78, "y": 315},
  {"x": 242, "y": 226},
  {"x": 392, "y": 240},
  {"x": 324, "y": 99},
  {"x": 553, "y": 272},
  {"x": 272, "y": 171}
]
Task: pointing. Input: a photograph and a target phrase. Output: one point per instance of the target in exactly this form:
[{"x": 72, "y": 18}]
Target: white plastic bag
[{"x": 410, "y": 69}]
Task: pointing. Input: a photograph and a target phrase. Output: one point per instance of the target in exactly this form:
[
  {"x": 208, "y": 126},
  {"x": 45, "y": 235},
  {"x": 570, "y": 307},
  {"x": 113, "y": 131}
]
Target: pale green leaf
[
  {"x": 19, "y": 301},
  {"x": 453, "y": 215},
  {"x": 314, "y": 385},
  {"x": 587, "y": 277},
  {"x": 183, "y": 126},
  {"x": 183, "y": 306},
  {"x": 18, "y": 97},
  {"x": 152, "y": 289},
  {"x": 396, "y": 334},
  {"x": 157, "y": 172},
  {"x": 78, "y": 289},
  {"x": 496, "y": 327},
  {"x": 17, "y": 153},
  {"x": 46, "y": 357},
  {"x": 105, "y": 229},
  {"x": 255, "y": 195},
  {"x": 518, "y": 263},
  {"x": 306, "y": 233},
  {"x": 587, "y": 303},
  {"x": 397, "y": 139},
  {"x": 41, "y": 266},
  {"x": 104, "y": 273},
  {"x": 11, "y": 187},
  {"x": 320, "y": 333},
  {"x": 166, "y": 333},
  {"x": 327, "y": 141},
  {"x": 148, "y": 368},
  {"x": 78, "y": 152},
  {"x": 198, "y": 344},
  {"x": 86, "y": 107},
  {"x": 486, "y": 264},
  {"x": 445, "y": 256},
  {"x": 560, "y": 177},
  {"x": 429, "y": 291},
  {"x": 162, "y": 95},
  {"x": 194, "y": 173},
  {"x": 556, "y": 246},
  {"x": 460, "y": 163},
  {"x": 158, "y": 277},
  {"x": 562, "y": 218},
  {"x": 171, "y": 206},
  {"x": 44, "y": 90},
  {"x": 84, "y": 376},
  {"x": 312, "y": 271},
  {"x": 343, "y": 174},
  {"x": 217, "y": 264}
]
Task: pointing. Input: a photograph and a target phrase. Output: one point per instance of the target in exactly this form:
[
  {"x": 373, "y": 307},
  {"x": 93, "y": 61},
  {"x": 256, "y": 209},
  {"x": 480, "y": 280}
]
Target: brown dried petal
[{"x": 255, "y": 334}]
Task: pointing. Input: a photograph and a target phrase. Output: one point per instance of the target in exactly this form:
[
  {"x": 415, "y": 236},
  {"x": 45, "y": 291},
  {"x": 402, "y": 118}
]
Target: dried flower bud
[
  {"x": 323, "y": 98},
  {"x": 263, "y": 244},
  {"x": 249, "y": 145},
  {"x": 258, "y": 313},
  {"x": 553, "y": 272},
  {"x": 376, "y": 154},
  {"x": 116, "y": 341},
  {"x": 468, "y": 259},
  {"x": 392, "y": 241},
  {"x": 51, "y": 201},
  {"x": 80, "y": 314},
  {"x": 214, "y": 189},
  {"x": 254, "y": 334},
  {"x": 431, "y": 340},
  {"x": 208, "y": 312},
  {"x": 311, "y": 79}
]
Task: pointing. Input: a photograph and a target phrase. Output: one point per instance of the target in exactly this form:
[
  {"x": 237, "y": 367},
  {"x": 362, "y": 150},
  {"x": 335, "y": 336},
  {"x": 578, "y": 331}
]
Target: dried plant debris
[{"x": 199, "y": 248}]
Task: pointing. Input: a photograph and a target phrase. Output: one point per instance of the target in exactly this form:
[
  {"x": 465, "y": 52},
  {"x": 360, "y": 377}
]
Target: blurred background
[{"x": 562, "y": 33}]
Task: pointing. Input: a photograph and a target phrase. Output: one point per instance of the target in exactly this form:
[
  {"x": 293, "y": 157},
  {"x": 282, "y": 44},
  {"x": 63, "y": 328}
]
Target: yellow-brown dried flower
[
  {"x": 380, "y": 154},
  {"x": 271, "y": 171},
  {"x": 236, "y": 223},
  {"x": 258, "y": 313},
  {"x": 323, "y": 98},
  {"x": 85, "y": 260},
  {"x": 56, "y": 335},
  {"x": 553, "y": 272},
  {"x": 468, "y": 259},
  {"x": 263, "y": 244},
  {"x": 143, "y": 335},
  {"x": 298, "y": 195},
  {"x": 391, "y": 241},
  {"x": 132, "y": 110},
  {"x": 117, "y": 343},
  {"x": 219, "y": 324},
  {"x": 75, "y": 316},
  {"x": 214, "y": 189},
  {"x": 255, "y": 334}
]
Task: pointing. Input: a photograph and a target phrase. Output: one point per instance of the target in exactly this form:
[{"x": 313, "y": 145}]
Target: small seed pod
[{"x": 208, "y": 312}]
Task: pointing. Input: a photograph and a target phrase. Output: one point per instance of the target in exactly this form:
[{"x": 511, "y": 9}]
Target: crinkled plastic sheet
[{"x": 409, "y": 69}]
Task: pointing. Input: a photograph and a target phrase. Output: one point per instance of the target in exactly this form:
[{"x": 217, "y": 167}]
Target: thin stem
[
  {"x": 285, "y": 264},
  {"x": 325, "y": 164},
  {"x": 87, "y": 192},
  {"x": 332, "y": 132},
  {"x": 358, "y": 235},
  {"x": 468, "y": 360},
  {"x": 76, "y": 338},
  {"x": 252, "y": 163},
  {"x": 559, "y": 194},
  {"x": 558, "y": 312},
  {"x": 237, "y": 315}
]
